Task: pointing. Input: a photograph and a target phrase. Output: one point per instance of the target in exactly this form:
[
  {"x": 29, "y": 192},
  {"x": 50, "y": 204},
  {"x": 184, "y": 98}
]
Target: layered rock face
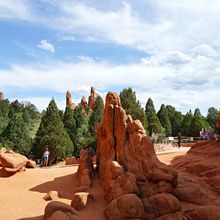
[
  {"x": 69, "y": 101},
  {"x": 136, "y": 184},
  {"x": 1, "y": 96},
  {"x": 92, "y": 98},
  {"x": 202, "y": 160}
]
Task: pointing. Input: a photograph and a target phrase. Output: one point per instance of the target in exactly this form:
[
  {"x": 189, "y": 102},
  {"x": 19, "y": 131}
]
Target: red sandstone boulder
[
  {"x": 81, "y": 200},
  {"x": 59, "y": 211},
  {"x": 12, "y": 162},
  {"x": 204, "y": 213},
  {"x": 51, "y": 195},
  {"x": 71, "y": 160},
  {"x": 31, "y": 164},
  {"x": 85, "y": 169},
  {"x": 127, "y": 206},
  {"x": 92, "y": 98},
  {"x": 161, "y": 204}
]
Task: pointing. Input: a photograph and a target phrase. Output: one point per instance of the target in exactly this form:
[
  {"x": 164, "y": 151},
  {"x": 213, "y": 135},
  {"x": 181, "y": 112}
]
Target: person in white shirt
[{"x": 46, "y": 157}]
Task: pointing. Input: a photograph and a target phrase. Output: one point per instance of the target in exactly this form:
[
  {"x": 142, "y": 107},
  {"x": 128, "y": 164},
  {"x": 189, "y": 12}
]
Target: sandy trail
[{"x": 21, "y": 195}]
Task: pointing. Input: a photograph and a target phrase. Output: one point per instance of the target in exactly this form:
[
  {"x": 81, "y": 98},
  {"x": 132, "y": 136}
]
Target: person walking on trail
[
  {"x": 179, "y": 139},
  {"x": 46, "y": 157}
]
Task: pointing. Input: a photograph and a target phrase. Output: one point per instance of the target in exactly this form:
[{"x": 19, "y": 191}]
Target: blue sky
[{"x": 167, "y": 50}]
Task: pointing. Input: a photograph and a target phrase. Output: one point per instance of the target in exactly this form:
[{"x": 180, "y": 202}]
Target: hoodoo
[{"x": 69, "y": 101}]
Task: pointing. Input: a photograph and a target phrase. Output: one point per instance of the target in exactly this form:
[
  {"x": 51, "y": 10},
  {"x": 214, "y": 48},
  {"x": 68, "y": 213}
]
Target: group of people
[{"x": 206, "y": 134}]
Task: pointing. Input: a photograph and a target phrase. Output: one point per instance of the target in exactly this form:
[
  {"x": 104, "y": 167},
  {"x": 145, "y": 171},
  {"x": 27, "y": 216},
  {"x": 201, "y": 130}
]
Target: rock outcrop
[
  {"x": 12, "y": 162},
  {"x": 85, "y": 169},
  {"x": 31, "y": 164},
  {"x": 84, "y": 103},
  {"x": 1, "y": 96},
  {"x": 81, "y": 199},
  {"x": 92, "y": 98},
  {"x": 69, "y": 102},
  {"x": 57, "y": 210},
  {"x": 202, "y": 160},
  {"x": 136, "y": 184}
]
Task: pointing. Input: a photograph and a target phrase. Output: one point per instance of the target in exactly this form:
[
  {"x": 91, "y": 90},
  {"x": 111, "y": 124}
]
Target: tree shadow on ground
[
  {"x": 32, "y": 218},
  {"x": 63, "y": 185},
  {"x": 4, "y": 174}
]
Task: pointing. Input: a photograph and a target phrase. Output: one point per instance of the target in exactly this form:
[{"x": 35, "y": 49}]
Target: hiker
[
  {"x": 46, "y": 157},
  {"x": 179, "y": 139}
]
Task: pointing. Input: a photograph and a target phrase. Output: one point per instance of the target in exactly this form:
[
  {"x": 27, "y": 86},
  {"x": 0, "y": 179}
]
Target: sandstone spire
[
  {"x": 92, "y": 98},
  {"x": 1, "y": 95},
  {"x": 69, "y": 101},
  {"x": 84, "y": 103},
  {"x": 136, "y": 184}
]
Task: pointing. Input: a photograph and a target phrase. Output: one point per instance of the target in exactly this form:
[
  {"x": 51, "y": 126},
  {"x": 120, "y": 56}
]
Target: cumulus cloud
[
  {"x": 45, "y": 45},
  {"x": 19, "y": 9},
  {"x": 184, "y": 86}
]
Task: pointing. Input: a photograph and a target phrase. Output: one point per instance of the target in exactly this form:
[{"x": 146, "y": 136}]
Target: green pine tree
[
  {"x": 186, "y": 123},
  {"x": 16, "y": 135},
  {"x": 95, "y": 118},
  {"x": 81, "y": 130},
  {"x": 198, "y": 122},
  {"x": 52, "y": 135},
  {"x": 132, "y": 106},
  {"x": 164, "y": 120},
  {"x": 176, "y": 123},
  {"x": 212, "y": 116},
  {"x": 154, "y": 124},
  {"x": 70, "y": 123}
]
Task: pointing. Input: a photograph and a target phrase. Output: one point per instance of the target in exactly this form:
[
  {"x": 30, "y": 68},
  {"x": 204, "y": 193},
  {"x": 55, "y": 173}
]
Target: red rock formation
[
  {"x": 202, "y": 160},
  {"x": 69, "y": 101},
  {"x": 58, "y": 210},
  {"x": 84, "y": 103},
  {"x": 1, "y": 96},
  {"x": 92, "y": 98},
  {"x": 85, "y": 169},
  {"x": 81, "y": 200},
  {"x": 12, "y": 162},
  {"x": 128, "y": 168}
]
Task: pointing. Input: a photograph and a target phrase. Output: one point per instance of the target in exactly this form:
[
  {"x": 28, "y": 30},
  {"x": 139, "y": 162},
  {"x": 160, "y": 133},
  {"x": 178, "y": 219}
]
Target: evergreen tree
[
  {"x": 175, "y": 119},
  {"x": 95, "y": 118},
  {"x": 15, "y": 107},
  {"x": 4, "y": 108},
  {"x": 212, "y": 116},
  {"x": 70, "y": 123},
  {"x": 176, "y": 123},
  {"x": 16, "y": 135},
  {"x": 198, "y": 122},
  {"x": 154, "y": 124},
  {"x": 81, "y": 130},
  {"x": 186, "y": 123},
  {"x": 52, "y": 135},
  {"x": 164, "y": 120},
  {"x": 217, "y": 126},
  {"x": 132, "y": 106}
]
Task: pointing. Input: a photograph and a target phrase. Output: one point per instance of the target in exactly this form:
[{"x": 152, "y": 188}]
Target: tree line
[{"x": 64, "y": 133}]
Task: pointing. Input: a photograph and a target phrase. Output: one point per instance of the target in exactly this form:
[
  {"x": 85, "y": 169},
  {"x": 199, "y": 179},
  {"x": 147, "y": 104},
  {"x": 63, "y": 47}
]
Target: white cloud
[
  {"x": 19, "y": 9},
  {"x": 45, "y": 45},
  {"x": 184, "y": 86}
]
